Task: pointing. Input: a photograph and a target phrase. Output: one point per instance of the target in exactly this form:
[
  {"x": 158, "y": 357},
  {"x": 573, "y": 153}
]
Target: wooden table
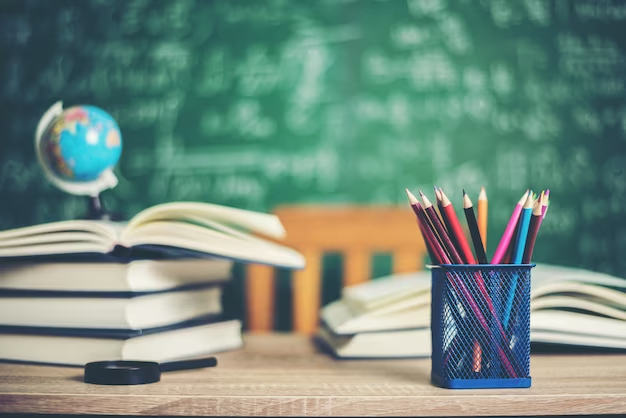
[{"x": 285, "y": 375}]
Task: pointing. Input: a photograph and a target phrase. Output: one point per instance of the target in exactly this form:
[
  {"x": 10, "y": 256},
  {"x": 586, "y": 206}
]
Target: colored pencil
[
  {"x": 439, "y": 255},
  {"x": 508, "y": 256},
  {"x": 442, "y": 215},
  {"x": 455, "y": 229},
  {"x": 508, "y": 231},
  {"x": 435, "y": 232},
  {"x": 533, "y": 229},
  {"x": 482, "y": 210},
  {"x": 445, "y": 220},
  {"x": 434, "y": 258},
  {"x": 523, "y": 230},
  {"x": 524, "y": 223},
  {"x": 468, "y": 208},
  {"x": 434, "y": 219},
  {"x": 544, "y": 208}
]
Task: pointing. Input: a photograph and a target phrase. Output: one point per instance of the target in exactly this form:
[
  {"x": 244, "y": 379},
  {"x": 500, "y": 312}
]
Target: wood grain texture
[{"x": 284, "y": 375}]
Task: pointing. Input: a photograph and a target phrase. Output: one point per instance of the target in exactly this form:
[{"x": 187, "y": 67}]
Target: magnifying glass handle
[{"x": 189, "y": 364}]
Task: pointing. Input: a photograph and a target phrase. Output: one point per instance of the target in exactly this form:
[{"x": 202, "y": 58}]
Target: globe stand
[{"x": 97, "y": 212}]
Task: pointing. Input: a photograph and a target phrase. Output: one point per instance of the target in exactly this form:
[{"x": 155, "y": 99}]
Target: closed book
[
  {"x": 387, "y": 303},
  {"x": 100, "y": 276},
  {"x": 405, "y": 343},
  {"x": 169, "y": 230},
  {"x": 66, "y": 346},
  {"x": 108, "y": 310}
]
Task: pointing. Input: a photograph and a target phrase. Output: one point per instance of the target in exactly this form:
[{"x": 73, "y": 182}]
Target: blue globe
[{"x": 81, "y": 143}]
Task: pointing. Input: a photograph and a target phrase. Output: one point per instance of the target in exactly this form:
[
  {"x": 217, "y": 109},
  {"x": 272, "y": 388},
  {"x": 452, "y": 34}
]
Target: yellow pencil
[{"x": 482, "y": 207}]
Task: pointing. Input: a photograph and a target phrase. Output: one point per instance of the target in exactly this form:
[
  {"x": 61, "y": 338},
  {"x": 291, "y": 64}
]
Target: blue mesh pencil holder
[{"x": 480, "y": 325}]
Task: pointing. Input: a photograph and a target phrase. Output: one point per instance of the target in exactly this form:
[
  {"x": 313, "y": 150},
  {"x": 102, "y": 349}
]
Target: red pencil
[{"x": 456, "y": 230}]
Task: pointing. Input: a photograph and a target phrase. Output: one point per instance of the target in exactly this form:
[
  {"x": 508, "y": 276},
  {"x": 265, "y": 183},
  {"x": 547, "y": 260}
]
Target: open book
[
  {"x": 170, "y": 230},
  {"x": 569, "y": 306}
]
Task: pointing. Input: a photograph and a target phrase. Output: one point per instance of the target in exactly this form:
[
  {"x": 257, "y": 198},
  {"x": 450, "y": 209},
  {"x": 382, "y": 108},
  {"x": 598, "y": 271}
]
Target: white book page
[
  {"x": 55, "y": 248},
  {"x": 543, "y": 274},
  {"x": 599, "y": 293},
  {"x": 256, "y": 222},
  {"x": 56, "y": 238},
  {"x": 560, "y": 302},
  {"x": 210, "y": 241},
  {"x": 571, "y": 322},
  {"x": 107, "y": 230},
  {"x": 576, "y": 339}
]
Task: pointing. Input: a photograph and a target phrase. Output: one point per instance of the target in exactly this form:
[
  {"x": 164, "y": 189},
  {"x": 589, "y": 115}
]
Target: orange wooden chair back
[{"x": 355, "y": 232}]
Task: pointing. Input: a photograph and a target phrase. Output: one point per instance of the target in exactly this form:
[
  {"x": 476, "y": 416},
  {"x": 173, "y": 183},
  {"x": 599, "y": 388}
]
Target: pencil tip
[
  {"x": 467, "y": 202},
  {"x": 412, "y": 198},
  {"x": 483, "y": 193},
  {"x": 528, "y": 204},
  {"x": 421, "y": 194}
]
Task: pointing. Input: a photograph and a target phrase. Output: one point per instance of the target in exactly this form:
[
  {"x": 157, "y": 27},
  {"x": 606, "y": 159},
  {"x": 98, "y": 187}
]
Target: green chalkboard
[{"x": 260, "y": 103}]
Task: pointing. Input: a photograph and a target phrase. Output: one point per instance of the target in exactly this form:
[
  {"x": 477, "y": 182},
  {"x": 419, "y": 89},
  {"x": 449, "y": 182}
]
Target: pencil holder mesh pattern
[{"x": 480, "y": 324}]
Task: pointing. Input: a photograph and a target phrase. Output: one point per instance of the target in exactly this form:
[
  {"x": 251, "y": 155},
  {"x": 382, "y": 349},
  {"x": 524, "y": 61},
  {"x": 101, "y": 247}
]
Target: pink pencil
[{"x": 508, "y": 232}]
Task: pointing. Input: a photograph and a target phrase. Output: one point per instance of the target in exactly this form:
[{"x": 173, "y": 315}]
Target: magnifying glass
[{"x": 129, "y": 372}]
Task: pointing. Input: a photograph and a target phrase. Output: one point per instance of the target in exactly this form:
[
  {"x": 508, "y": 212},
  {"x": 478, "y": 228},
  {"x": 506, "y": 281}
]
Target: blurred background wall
[{"x": 260, "y": 103}]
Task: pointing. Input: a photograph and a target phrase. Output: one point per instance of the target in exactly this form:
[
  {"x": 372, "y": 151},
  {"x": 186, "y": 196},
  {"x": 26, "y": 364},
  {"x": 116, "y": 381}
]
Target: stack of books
[
  {"x": 571, "y": 309},
  {"x": 150, "y": 289}
]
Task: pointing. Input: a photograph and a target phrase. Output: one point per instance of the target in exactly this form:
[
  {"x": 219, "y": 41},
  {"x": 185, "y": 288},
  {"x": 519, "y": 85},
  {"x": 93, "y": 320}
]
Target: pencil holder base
[{"x": 521, "y": 383}]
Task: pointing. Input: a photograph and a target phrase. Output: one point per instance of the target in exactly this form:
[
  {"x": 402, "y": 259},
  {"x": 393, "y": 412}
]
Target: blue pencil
[{"x": 518, "y": 252}]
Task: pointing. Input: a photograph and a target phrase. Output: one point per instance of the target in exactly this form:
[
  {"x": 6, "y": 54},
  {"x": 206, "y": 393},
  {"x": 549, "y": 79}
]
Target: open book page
[
  {"x": 211, "y": 241},
  {"x": 577, "y": 323},
  {"x": 580, "y": 304},
  {"x": 106, "y": 230},
  {"x": 78, "y": 236},
  {"x": 254, "y": 222},
  {"x": 552, "y": 337},
  {"x": 340, "y": 319},
  {"x": 544, "y": 274},
  {"x": 600, "y": 292},
  {"x": 386, "y": 291},
  {"x": 581, "y": 296},
  {"x": 178, "y": 228}
]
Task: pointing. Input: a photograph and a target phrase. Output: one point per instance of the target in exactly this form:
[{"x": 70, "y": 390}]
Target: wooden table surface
[{"x": 285, "y": 375}]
